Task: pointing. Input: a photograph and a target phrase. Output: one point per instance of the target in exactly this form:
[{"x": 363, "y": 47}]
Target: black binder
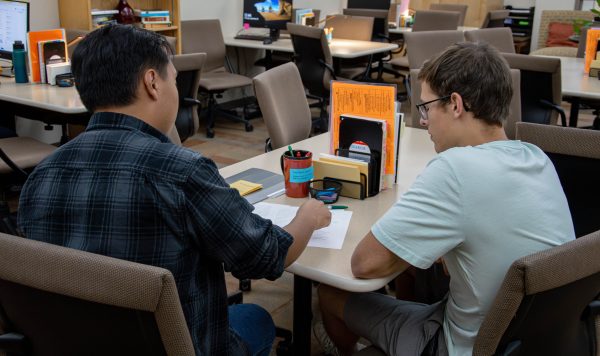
[{"x": 372, "y": 133}]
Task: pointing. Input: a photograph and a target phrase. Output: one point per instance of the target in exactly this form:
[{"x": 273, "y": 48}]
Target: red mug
[{"x": 298, "y": 172}]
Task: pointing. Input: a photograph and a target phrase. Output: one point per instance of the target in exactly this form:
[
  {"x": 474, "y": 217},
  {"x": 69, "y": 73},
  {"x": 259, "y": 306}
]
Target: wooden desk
[
  {"x": 42, "y": 102},
  {"x": 339, "y": 48},
  {"x": 333, "y": 266}
]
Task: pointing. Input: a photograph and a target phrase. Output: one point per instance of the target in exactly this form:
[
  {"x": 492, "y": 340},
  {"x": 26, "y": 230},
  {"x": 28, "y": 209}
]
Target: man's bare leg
[{"x": 332, "y": 302}]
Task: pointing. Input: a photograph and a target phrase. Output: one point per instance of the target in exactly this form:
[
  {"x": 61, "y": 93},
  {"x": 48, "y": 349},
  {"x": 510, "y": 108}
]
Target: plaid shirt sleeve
[{"x": 224, "y": 227}]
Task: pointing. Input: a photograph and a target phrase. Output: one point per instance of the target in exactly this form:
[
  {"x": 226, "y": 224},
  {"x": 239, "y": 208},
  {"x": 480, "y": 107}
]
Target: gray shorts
[{"x": 395, "y": 326}]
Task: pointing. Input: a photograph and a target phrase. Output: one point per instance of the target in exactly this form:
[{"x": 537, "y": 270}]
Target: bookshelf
[{"x": 76, "y": 14}]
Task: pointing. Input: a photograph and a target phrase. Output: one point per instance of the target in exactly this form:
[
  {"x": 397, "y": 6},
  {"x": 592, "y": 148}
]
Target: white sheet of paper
[{"x": 331, "y": 236}]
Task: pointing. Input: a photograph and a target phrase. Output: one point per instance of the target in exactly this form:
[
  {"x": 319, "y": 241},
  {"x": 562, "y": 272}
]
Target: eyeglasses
[{"x": 423, "y": 109}]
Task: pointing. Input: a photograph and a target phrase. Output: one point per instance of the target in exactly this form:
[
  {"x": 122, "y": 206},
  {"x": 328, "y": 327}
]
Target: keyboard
[{"x": 253, "y": 37}]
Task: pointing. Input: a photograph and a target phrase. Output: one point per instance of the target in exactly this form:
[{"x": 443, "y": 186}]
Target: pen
[
  {"x": 276, "y": 193},
  {"x": 291, "y": 151},
  {"x": 335, "y": 207}
]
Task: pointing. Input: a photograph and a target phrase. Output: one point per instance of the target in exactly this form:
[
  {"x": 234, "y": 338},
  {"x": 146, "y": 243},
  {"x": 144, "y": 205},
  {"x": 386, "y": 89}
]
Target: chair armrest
[
  {"x": 329, "y": 67},
  {"x": 9, "y": 162},
  {"x": 190, "y": 101},
  {"x": 561, "y": 112},
  {"x": 235, "y": 298}
]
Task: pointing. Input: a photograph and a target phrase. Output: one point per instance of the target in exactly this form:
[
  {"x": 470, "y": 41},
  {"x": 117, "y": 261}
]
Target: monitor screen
[
  {"x": 274, "y": 14},
  {"x": 369, "y": 4},
  {"x": 14, "y": 25}
]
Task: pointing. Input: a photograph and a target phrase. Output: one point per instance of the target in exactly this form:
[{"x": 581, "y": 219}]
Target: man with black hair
[
  {"x": 482, "y": 203},
  {"x": 122, "y": 189}
]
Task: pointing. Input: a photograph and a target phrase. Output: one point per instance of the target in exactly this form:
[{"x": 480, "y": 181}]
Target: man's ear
[
  {"x": 150, "y": 82},
  {"x": 457, "y": 104}
]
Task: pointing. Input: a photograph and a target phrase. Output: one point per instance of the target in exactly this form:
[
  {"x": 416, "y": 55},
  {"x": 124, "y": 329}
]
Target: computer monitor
[
  {"x": 369, "y": 4},
  {"x": 14, "y": 25},
  {"x": 273, "y": 14}
]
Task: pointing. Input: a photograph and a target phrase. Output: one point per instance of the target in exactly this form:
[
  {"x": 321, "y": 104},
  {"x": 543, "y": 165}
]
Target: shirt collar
[{"x": 112, "y": 120}]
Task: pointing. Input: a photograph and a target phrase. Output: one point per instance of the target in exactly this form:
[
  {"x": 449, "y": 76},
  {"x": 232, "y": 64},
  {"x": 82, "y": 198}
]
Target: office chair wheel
[
  {"x": 249, "y": 127},
  {"x": 245, "y": 285},
  {"x": 210, "y": 133},
  {"x": 284, "y": 348}
]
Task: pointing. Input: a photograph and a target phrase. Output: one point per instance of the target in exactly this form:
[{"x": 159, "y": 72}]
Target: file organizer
[{"x": 374, "y": 163}]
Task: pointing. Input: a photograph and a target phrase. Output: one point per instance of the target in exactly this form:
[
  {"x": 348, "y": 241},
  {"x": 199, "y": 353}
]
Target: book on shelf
[
  {"x": 50, "y": 52},
  {"x": 97, "y": 12},
  {"x": 156, "y": 26},
  {"x": 156, "y": 20},
  {"x": 150, "y": 13}
]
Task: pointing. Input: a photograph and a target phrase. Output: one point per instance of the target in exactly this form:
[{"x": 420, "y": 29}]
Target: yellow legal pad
[{"x": 245, "y": 187}]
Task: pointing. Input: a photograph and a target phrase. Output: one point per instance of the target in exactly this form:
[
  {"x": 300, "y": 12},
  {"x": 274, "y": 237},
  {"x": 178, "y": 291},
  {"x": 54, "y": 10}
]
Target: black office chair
[
  {"x": 540, "y": 88},
  {"x": 575, "y": 154},
  {"x": 189, "y": 70},
  {"x": 548, "y": 304},
  {"x": 380, "y": 33},
  {"x": 315, "y": 64}
]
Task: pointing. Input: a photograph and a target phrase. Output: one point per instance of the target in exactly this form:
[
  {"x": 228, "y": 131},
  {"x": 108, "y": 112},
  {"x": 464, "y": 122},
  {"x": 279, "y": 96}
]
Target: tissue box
[{"x": 55, "y": 69}]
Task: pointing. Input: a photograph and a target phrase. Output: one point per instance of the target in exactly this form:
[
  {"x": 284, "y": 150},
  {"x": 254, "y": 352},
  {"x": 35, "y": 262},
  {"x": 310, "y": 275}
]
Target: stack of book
[
  {"x": 103, "y": 17},
  {"x": 154, "y": 19}
]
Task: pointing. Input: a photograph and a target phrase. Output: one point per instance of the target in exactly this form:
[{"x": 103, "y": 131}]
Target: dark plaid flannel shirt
[{"x": 122, "y": 189}]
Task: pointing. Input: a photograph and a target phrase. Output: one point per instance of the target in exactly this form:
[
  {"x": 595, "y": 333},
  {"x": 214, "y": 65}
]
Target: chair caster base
[
  {"x": 245, "y": 285},
  {"x": 249, "y": 127},
  {"x": 210, "y": 133}
]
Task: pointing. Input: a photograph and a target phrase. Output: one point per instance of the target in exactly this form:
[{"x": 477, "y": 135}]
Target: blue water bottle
[{"x": 18, "y": 58}]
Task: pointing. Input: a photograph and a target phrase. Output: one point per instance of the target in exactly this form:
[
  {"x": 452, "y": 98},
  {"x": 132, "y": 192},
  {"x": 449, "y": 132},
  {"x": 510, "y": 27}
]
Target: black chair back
[
  {"x": 311, "y": 59},
  {"x": 189, "y": 70}
]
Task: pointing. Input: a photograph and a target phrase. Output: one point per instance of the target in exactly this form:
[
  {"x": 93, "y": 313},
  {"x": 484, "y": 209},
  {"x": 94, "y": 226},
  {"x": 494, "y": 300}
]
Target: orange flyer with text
[{"x": 377, "y": 101}]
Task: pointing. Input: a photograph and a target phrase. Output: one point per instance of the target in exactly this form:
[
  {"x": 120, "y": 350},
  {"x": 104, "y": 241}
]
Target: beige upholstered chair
[
  {"x": 24, "y": 152},
  {"x": 561, "y": 16},
  {"x": 575, "y": 154},
  {"x": 428, "y": 20},
  {"x": 205, "y": 36},
  {"x": 70, "y": 302},
  {"x": 282, "y": 101},
  {"x": 18, "y": 157},
  {"x": 500, "y": 38},
  {"x": 540, "y": 88},
  {"x": 189, "y": 71},
  {"x": 460, "y": 8},
  {"x": 351, "y": 27},
  {"x": 433, "y": 20},
  {"x": 514, "y": 115},
  {"x": 495, "y": 18},
  {"x": 427, "y": 44},
  {"x": 547, "y": 304}
]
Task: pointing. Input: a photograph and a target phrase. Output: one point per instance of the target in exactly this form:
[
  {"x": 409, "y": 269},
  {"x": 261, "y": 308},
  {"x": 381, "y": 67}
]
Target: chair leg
[{"x": 210, "y": 117}]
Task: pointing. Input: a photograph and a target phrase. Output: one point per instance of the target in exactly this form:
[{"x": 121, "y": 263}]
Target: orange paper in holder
[{"x": 591, "y": 46}]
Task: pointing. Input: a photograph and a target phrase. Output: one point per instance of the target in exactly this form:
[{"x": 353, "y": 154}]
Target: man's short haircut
[
  {"x": 110, "y": 61},
  {"x": 478, "y": 73}
]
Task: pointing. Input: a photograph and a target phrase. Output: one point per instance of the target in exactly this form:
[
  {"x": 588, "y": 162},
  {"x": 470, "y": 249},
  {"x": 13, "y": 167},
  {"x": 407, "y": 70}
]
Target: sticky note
[{"x": 245, "y": 187}]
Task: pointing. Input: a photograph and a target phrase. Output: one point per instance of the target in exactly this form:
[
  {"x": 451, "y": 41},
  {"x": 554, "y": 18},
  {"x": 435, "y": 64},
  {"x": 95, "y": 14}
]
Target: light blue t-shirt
[{"x": 480, "y": 208}]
